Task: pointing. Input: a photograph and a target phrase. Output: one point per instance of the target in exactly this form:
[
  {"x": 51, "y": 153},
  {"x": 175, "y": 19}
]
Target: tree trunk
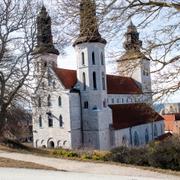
[{"x": 3, "y": 114}]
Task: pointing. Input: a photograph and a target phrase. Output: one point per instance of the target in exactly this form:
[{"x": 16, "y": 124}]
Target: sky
[{"x": 69, "y": 60}]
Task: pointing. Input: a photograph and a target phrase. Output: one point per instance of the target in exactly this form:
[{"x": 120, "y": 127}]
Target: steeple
[
  {"x": 132, "y": 44},
  {"x": 44, "y": 34},
  {"x": 132, "y": 41},
  {"x": 88, "y": 24}
]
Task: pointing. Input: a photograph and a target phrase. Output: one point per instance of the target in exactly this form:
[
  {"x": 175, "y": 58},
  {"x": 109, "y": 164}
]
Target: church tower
[
  {"x": 133, "y": 63},
  {"x": 45, "y": 54},
  {"x": 91, "y": 74},
  {"x": 45, "y": 57}
]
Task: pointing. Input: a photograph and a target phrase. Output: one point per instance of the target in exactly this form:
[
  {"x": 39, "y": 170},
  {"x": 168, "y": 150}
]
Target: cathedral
[{"x": 87, "y": 108}]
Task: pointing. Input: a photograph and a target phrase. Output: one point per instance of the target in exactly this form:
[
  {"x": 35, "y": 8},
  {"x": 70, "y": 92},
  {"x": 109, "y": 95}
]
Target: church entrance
[{"x": 51, "y": 144}]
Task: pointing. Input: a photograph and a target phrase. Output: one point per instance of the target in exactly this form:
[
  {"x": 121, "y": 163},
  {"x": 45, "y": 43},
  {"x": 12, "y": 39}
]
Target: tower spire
[
  {"x": 132, "y": 41},
  {"x": 44, "y": 34},
  {"x": 88, "y": 24}
]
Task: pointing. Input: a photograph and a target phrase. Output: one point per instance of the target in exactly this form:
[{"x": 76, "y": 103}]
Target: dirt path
[{"x": 88, "y": 167}]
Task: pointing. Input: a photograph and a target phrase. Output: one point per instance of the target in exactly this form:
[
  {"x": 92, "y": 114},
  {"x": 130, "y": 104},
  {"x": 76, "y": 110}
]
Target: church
[{"x": 87, "y": 108}]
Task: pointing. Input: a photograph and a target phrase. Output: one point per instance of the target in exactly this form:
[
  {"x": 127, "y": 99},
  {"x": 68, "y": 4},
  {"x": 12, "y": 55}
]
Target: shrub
[
  {"x": 138, "y": 156},
  {"x": 64, "y": 153},
  {"x": 85, "y": 156},
  {"x": 162, "y": 154},
  {"x": 100, "y": 155},
  {"x": 120, "y": 154},
  {"x": 165, "y": 154}
]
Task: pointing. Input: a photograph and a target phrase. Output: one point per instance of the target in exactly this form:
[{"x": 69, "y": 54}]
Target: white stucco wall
[{"x": 141, "y": 130}]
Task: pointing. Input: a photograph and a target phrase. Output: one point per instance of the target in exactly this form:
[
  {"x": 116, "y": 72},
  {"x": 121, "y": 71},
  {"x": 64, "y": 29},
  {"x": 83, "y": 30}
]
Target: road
[
  {"x": 78, "y": 170},
  {"x": 28, "y": 174}
]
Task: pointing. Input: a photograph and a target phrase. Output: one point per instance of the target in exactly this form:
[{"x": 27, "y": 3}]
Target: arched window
[
  {"x": 104, "y": 103},
  {"x": 59, "y": 101},
  {"x": 84, "y": 81},
  {"x": 54, "y": 84},
  {"x": 94, "y": 81},
  {"x": 39, "y": 102},
  {"x": 61, "y": 121},
  {"x": 136, "y": 139},
  {"x": 83, "y": 58},
  {"x": 103, "y": 81},
  {"x": 50, "y": 120},
  {"x": 146, "y": 136},
  {"x": 124, "y": 140},
  {"x": 49, "y": 100},
  {"x": 40, "y": 121},
  {"x": 93, "y": 58},
  {"x": 155, "y": 131},
  {"x": 102, "y": 59}
]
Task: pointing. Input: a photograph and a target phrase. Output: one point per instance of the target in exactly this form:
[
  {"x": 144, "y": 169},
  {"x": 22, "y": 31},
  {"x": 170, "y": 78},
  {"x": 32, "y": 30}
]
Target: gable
[{"x": 67, "y": 77}]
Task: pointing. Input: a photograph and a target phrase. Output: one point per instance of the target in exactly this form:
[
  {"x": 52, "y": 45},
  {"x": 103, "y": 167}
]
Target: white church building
[{"x": 87, "y": 108}]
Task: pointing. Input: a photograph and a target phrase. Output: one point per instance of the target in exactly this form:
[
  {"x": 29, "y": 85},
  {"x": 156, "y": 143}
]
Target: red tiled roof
[
  {"x": 115, "y": 84},
  {"x": 128, "y": 115},
  {"x": 122, "y": 85},
  {"x": 67, "y": 77}
]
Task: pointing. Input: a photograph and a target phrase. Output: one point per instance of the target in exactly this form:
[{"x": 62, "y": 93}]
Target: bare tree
[
  {"x": 17, "y": 37},
  {"x": 160, "y": 25}
]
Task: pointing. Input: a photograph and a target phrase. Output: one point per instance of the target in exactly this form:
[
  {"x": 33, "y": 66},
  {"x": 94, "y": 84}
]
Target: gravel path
[{"x": 88, "y": 167}]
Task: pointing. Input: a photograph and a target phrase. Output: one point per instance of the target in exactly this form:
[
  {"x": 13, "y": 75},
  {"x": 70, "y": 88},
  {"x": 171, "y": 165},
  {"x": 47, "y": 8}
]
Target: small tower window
[
  {"x": 60, "y": 121},
  {"x": 59, "y": 101},
  {"x": 94, "y": 81},
  {"x": 144, "y": 72},
  {"x": 93, "y": 58},
  {"x": 49, "y": 100},
  {"x": 39, "y": 102},
  {"x": 102, "y": 59},
  {"x": 50, "y": 120},
  {"x": 40, "y": 121},
  {"x": 86, "y": 105},
  {"x": 84, "y": 81},
  {"x": 103, "y": 81},
  {"x": 83, "y": 58}
]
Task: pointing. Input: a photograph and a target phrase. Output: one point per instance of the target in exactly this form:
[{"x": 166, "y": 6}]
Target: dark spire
[
  {"x": 132, "y": 44},
  {"x": 44, "y": 34},
  {"x": 132, "y": 41},
  {"x": 88, "y": 24}
]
